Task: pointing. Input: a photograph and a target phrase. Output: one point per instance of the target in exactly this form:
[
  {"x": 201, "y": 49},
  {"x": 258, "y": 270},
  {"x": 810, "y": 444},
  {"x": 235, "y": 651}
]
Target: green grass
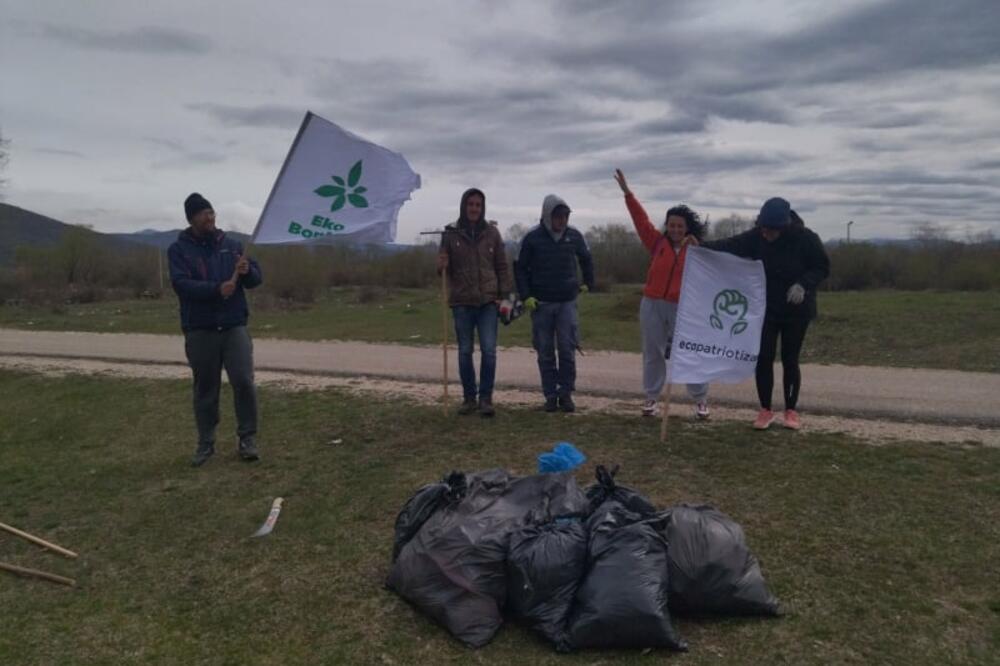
[
  {"x": 880, "y": 554},
  {"x": 951, "y": 330}
]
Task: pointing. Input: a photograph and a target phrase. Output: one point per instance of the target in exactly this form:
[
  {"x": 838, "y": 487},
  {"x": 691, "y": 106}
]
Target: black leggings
[{"x": 792, "y": 332}]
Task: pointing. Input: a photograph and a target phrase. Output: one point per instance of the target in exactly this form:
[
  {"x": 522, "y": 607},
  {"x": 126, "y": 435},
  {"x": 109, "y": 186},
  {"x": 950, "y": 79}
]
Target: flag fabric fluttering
[
  {"x": 335, "y": 185},
  {"x": 719, "y": 318}
]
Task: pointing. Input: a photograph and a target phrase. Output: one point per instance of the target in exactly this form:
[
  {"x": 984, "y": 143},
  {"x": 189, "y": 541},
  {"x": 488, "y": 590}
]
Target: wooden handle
[
  {"x": 41, "y": 542},
  {"x": 444, "y": 337},
  {"x": 34, "y": 573}
]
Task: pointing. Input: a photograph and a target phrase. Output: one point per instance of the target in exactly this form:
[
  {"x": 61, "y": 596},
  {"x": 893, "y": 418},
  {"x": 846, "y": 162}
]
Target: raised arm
[{"x": 647, "y": 232}]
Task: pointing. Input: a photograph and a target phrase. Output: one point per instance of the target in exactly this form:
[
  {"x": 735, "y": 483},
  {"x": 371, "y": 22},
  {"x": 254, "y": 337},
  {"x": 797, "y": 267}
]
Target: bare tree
[
  {"x": 732, "y": 224},
  {"x": 929, "y": 234},
  {"x": 517, "y": 231}
]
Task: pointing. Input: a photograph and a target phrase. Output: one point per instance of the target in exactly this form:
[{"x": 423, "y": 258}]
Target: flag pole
[
  {"x": 444, "y": 336},
  {"x": 444, "y": 328},
  {"x": 666, "y": 412}
]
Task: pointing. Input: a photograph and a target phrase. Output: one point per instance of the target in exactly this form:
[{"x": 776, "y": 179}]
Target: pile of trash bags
[{"x": 593, "y": 568}]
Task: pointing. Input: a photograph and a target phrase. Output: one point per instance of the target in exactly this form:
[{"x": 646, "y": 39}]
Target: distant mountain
[
  {"x": 163, "y": 239},
  {"x": 20, "y": 227}
]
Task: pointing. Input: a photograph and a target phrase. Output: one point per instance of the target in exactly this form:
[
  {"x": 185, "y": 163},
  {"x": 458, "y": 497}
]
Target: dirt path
[
  {"x": 929, "y": 396},
  {"x": 873, "y": 431}
]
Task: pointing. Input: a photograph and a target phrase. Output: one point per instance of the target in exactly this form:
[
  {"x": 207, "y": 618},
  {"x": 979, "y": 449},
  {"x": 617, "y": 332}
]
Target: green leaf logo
[
  {"x": 734, "y": 305},
  {"x": 355, "y": 175},
  {"x": 339, "y": 191}
]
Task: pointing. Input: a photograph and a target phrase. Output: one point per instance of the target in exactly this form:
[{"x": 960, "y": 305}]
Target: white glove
[{"x": 796, "y": 294}]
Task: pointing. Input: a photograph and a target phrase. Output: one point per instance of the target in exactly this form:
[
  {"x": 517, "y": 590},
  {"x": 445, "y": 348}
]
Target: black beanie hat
[
  {"x": 775, "y": 214},
  {"x": 194, "y": 204}
]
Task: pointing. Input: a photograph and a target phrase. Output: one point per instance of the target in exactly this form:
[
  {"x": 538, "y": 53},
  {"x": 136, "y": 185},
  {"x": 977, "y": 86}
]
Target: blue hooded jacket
[
  {"x": 546, "y": 265},
  {"x": 198, "y": 267}
]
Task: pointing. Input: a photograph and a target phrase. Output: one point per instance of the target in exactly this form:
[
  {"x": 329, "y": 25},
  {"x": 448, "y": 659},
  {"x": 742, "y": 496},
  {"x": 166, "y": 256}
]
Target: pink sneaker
[
  {"x": 764, "y": 419},
  {"x": 792, "y": 420}
]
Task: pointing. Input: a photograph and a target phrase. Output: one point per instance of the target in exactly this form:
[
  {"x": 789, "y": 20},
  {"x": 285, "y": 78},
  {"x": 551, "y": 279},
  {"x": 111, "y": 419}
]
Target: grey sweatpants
[
  {"x": 208, "y": 352},
  {"x": 657, "y": 319}
]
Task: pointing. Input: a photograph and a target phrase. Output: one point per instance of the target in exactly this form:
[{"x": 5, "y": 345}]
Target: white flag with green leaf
[
  {"x": 335, "y": 185},
  {"x": 719, "y": 318}
]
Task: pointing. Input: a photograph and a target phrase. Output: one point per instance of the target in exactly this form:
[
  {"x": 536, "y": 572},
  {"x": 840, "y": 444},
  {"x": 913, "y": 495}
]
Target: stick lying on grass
[
  {"x": 272, "y": 518},
  {"x": 41, "y": 542},
  {"x": 34, "y": 573}
]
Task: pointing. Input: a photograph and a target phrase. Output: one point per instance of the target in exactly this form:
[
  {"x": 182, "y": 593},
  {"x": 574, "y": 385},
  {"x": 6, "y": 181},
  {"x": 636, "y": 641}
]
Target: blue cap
[{"x": 775, "y": 213}]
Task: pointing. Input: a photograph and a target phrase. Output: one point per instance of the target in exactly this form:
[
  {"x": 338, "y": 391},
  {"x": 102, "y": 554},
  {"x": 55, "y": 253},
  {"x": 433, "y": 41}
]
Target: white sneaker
[
  {"x": 649, "y": 408},
  {"x": 701, "y": 410}
]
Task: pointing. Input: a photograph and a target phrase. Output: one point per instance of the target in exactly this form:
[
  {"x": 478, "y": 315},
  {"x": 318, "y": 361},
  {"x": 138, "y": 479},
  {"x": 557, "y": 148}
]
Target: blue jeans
[
  {"x": 555, "y": 332},
  {"x": 469, "y": 318}
]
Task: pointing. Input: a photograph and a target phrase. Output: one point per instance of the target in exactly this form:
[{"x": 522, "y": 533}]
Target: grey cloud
[
  {"x": 679, "y": 124},
  {"x": 60, "y": 152},
  {"x": 188, "y": 159},
  {"x": 887, "y": 176},
  {"x": 680, "y": 162},
  {"x": 871, "y": 42},
  {"x": 264, "y": 115},
  {"x": 179, "y": 156},
  {"x": 897, "y": 36},
  {"x": 875, "y": 146},
  {"x": 147, "y": 39},
  {"x": 628, "y": 13},
  {"x": 172, "y": 144},
  {"x": 878, "y": 117},
  {"x": 485, "y": 127}
]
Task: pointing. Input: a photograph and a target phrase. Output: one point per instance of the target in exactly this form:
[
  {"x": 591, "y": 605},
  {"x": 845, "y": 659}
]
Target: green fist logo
[
  {"x": 339, "y": 191},
  {"x": 733, "y": 305}
]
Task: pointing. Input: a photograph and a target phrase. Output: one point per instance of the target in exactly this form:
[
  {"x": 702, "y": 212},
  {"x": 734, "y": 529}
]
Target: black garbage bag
[
  {"x": 712, "y": 571},
  {"x": 606, "y": 489},
  {"x": 454, "y": 567},
  {"x": 622, "y": 601},
  {"x": 545, "y": 566},
  {"x": 422, "y": 505}
]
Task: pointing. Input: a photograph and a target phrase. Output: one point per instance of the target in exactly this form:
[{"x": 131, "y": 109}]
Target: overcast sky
[{"x": 885, "y": 112}]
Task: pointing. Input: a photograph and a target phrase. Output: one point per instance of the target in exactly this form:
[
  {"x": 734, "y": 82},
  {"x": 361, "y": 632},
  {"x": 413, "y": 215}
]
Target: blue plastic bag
[{"x": 563, "y": 457}]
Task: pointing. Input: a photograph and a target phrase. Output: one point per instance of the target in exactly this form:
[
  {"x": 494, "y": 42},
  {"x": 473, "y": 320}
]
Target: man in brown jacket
[{"x": 472, "y": 252}]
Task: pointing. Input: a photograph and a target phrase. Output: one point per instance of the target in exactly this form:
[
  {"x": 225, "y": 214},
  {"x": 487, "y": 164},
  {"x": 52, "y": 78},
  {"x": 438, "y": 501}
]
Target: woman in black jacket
[{"x": 795, "y": 263}]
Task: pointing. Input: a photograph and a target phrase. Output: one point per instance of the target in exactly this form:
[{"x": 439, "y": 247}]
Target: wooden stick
[
  {"x": 34, "y": 573},
  {"x": 41, "y": 542},
  {"x": 666, "y": 413},
  {"x": 444, "y": 338}
]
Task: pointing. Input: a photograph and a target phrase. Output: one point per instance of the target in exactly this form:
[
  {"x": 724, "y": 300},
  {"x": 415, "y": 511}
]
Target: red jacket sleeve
[{"x": 647, "y": 232}]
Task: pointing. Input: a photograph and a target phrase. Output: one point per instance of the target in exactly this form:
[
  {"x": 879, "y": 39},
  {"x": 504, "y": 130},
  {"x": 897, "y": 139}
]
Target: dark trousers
[
  {"x": 468, "y": 320},
  {"x": 555, "y": 335},
  {"x": 792, "y": 332},
  {"x": 208, "y": 352}
]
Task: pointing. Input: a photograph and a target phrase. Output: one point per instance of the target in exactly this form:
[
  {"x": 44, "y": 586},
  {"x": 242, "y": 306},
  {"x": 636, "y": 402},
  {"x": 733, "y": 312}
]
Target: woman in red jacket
[{"x": 658, "y": 310}]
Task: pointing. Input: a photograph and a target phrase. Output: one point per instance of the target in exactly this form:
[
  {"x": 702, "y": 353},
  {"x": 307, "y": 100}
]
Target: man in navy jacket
[
  {"x": 546, "y": 277},
  {"x": 209, "y": 273}
]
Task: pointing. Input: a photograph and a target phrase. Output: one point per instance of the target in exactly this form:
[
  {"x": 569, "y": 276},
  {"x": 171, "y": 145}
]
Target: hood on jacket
[
  {"x": 464, "y": 221},
  {"x": 550, "y": 203}
]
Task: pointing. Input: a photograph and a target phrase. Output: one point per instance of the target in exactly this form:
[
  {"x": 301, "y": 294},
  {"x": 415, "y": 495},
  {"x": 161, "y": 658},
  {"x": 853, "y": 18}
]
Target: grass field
[
  {"x": 881, "y": 554},
  {"x": 951, "y": 330}
]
